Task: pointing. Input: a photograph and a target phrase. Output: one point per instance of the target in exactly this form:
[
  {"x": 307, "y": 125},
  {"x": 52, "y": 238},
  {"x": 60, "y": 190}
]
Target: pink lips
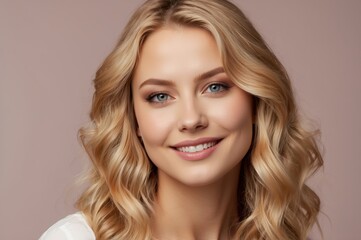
[{"x": 197, "y": 155}]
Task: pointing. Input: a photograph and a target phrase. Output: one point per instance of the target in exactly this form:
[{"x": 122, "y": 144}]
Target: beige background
[{"x": 50, "y": 50}]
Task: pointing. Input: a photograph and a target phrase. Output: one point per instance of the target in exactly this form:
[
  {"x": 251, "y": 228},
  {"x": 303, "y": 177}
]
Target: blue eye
[
  {"x": 216, "y": 87},
  {"x": 158, "y": 98}
]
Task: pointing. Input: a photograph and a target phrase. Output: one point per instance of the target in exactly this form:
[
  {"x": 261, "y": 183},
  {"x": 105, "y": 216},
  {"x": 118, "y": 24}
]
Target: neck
[{"x": 201, "y": 212}]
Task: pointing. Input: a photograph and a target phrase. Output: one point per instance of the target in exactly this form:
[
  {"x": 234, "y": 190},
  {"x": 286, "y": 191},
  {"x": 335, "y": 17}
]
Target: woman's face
[{"x": 196, "y": 125}]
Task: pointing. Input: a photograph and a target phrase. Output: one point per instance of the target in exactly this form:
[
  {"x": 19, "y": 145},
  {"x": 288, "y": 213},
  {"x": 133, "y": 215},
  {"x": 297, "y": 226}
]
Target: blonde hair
[{"x": 274, "y": 200}]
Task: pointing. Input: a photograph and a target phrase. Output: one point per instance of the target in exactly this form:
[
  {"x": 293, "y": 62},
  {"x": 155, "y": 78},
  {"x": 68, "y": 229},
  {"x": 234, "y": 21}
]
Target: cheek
[
  {"x": 154, "y": 125},
  {"x": 234, "y": 113}
]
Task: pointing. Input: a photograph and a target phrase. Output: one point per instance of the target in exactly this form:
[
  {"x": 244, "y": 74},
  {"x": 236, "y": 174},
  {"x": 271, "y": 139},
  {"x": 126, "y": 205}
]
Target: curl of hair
[{"x": 274, "y": 203}]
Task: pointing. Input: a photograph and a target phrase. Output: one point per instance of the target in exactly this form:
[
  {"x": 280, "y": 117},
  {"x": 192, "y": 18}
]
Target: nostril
[
  {"x": 195, "y": 124},
  {"x": 200, "y": 126},
  {"x": 191, "y": 116}
]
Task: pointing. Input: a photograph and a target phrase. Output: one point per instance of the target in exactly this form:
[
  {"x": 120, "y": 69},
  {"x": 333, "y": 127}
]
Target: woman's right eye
[{"x": 158, "y": 98}]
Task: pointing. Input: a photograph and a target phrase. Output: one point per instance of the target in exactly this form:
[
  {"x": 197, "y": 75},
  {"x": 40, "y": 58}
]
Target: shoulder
[{"x": 71, "y": 227}]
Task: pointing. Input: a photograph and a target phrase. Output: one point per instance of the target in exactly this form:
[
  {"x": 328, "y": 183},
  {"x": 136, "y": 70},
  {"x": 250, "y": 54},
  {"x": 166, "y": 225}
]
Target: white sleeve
[{"x": 73, "y": 227}]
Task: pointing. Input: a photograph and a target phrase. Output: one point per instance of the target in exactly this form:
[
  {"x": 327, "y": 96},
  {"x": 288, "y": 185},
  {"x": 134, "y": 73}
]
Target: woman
[{"x": 194, "y": 134}]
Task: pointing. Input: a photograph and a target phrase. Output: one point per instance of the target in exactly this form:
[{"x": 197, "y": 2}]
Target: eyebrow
[{"x": 163, "y": 82}]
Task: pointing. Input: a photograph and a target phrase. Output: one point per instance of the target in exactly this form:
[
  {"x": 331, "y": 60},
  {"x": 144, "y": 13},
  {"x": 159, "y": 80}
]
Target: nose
[{"x": 192, "y": 116}]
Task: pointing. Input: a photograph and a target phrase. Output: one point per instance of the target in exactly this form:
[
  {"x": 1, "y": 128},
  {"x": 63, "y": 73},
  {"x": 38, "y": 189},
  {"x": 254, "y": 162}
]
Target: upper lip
[{"x": 195, "y": 142}]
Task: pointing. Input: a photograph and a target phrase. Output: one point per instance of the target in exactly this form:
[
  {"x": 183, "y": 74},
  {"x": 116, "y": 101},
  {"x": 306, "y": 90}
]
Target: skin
[{"x": 181, "y": 93}]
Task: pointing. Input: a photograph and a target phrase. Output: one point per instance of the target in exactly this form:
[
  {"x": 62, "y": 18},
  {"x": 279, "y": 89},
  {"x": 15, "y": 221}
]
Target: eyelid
[
  {"x": 154, "y": 94},
  {"x": 223, "y": 84}
]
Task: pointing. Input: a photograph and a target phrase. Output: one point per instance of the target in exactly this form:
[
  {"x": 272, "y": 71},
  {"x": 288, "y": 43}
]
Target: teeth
[{"x": 197, "y": 148}]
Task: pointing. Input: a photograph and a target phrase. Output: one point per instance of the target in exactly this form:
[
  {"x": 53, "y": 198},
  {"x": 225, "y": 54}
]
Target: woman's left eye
[{"x": 216, "y": 87}]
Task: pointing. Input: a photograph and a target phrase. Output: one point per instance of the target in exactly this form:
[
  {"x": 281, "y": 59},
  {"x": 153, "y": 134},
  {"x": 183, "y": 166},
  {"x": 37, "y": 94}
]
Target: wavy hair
[{"x": 274, "y": 200}]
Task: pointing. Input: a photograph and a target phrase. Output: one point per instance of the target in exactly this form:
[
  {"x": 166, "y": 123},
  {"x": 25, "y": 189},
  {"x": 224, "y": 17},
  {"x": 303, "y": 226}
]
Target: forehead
[
  {"x": 178, "y": 36},
  {"x": 177, "y": 50}
]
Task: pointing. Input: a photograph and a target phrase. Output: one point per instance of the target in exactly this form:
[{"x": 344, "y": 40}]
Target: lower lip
[{"x": 196, "y": 156}]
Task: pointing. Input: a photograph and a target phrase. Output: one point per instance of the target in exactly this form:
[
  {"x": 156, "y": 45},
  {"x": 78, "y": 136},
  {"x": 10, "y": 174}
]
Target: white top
[{"x": 72, "y": 227}]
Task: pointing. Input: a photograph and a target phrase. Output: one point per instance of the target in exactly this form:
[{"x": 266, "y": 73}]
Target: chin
[{"x": 203, "y": 178}]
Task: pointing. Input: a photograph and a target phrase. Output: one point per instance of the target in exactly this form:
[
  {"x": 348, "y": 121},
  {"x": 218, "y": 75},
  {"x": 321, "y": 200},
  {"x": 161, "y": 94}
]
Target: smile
[{"x": 196, "y": 148}]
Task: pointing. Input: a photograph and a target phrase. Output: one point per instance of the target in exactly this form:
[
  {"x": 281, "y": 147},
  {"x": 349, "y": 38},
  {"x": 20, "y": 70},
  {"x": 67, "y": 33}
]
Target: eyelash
[
  {"x": 152, "y": 96},
  {"x": 223, "y": 87}
]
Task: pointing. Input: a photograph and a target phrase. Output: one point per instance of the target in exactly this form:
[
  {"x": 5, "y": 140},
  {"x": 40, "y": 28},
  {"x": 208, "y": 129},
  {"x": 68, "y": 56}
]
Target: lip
[
  {"x": 198, "y": 141},
  {"x": 195, "y": 156}
]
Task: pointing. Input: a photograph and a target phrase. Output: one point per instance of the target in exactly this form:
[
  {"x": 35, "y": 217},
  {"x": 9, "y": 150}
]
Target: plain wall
[{"x": 50, "y": 50}]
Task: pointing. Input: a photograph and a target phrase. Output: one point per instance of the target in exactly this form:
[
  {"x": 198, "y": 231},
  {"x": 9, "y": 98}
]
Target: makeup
[{"x": 195, "y": 150}]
